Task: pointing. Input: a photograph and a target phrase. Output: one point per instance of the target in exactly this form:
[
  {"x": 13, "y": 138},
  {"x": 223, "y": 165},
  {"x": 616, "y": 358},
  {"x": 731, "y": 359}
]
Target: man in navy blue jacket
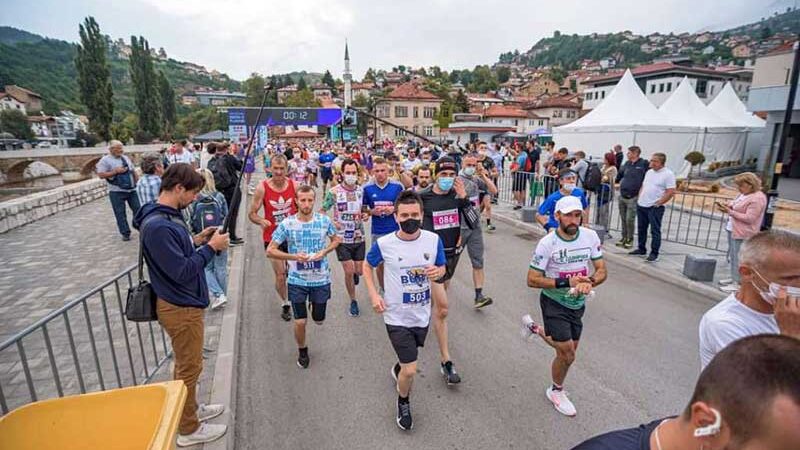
[{"x": 175, "y": 262}]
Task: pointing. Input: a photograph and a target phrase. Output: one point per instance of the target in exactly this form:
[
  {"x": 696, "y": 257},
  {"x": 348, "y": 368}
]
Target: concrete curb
[
  {"x": 223, "y": 389},
  {"x": 675, "y": 279}
]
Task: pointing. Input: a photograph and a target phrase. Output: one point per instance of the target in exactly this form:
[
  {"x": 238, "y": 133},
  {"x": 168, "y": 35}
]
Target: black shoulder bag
[{"x": 141, "y": 303}]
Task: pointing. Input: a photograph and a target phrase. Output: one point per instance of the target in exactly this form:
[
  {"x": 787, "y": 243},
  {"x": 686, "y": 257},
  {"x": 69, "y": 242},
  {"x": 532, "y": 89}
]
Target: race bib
[
  {"x": 306, "y": 266},
  {"x": 573, "y": 273},
  {"x": 419, "y": 298},
  {"x": 448, "y": 218},
  {"x": 474, "y": 200}
]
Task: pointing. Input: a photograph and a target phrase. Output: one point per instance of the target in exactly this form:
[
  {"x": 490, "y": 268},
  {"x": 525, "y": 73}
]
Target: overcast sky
[{"x": 241, "y": 36}]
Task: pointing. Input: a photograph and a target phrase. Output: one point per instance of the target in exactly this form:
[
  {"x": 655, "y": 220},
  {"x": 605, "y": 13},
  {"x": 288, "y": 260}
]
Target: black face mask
[{"x": 410, "y": 226}]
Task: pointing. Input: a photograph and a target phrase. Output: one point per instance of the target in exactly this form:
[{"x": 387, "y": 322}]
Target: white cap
[{"x": 568, "y": 204}]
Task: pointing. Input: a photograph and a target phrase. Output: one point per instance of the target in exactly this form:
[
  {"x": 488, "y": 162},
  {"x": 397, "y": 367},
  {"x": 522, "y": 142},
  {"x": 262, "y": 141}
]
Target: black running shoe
[
  {"x": 286, "y": 313},
  {"x": 637, "y": 252},
  {"x": 303, "y": 360},
  {"x": 395, "y": 371},
  {"x": 483, "y": 301},
  {"x": 356, "y": 279},
  {"x": 404, "y": 420},
  {"x": 449, "y": 373}
]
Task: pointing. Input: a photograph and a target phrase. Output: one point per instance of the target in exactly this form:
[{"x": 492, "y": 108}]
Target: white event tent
[{"x": 683, "y": 124}]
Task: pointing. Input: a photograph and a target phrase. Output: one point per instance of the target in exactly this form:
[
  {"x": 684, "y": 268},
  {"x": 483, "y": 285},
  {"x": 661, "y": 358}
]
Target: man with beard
[
  {"x": 560, "y": 268},
  {"x": 423, "y": 178}
]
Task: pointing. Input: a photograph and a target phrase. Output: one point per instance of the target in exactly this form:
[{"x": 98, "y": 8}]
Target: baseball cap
[
  {"x": 569, "y": 204},
  {"x": 446, "y": 163}
]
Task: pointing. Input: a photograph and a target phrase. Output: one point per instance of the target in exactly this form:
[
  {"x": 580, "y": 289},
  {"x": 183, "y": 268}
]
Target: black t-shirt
[
  {"x": 441, "y": 215},
  {"x": 534, "y": 155},
  {"x": 488, "y": 164},
  {"x": 629, "y": 439}
]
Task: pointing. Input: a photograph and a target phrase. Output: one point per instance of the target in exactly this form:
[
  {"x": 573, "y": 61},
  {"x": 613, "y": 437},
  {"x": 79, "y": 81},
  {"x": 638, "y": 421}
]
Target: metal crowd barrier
[
  {"x": 86, "y": 345},
  {"x": 689, "y": 218}
]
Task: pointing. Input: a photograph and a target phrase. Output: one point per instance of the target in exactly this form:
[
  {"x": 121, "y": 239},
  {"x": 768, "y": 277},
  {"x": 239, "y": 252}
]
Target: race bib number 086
[{"x": 446, "y": 219}]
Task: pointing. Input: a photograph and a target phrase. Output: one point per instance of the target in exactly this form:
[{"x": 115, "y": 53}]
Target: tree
[
  {"x": 503, "y": 74},
  {"x": 145, "y": 86},
  {"x": 167, "y": 95},
  {"x": 369, "y": 76},
  {"x": 287, "y": 80},
  {"x": 557, "y": 74},
  {"x": 694, "y": 158},
  {"x": 461, "y": 103},
  {"x": 254, "y": 89},
  {"x": 301, "y": 83},
  {"x": 361, "y": 101},
  {"x": 327, "y": 78},
  {"x": 303, "y": 98},
  {"x": 15, "y": 122},
  {"x": 94, "y": 78}
]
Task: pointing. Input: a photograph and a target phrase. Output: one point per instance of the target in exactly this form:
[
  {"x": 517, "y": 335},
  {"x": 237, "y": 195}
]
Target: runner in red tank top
[{"x": 276, "y": 196}]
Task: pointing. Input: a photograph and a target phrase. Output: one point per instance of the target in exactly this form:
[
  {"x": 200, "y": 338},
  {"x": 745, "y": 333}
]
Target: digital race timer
[{"x": 293, "y": 116}]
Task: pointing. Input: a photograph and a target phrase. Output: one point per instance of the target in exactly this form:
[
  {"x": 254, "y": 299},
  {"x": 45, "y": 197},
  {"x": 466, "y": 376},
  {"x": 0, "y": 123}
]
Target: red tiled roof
[
  {"x": 356, "y": 86},
  {"x": 783, "y": 48},
  {"x": 553, "y": 102},
  {"x": 411, "y": 90},
  {"x": 454, "y": 127},
  {"x": 648, "y": 69},
  {"x": 504, "y": 111},
  {"x": 532, "y": 115}
]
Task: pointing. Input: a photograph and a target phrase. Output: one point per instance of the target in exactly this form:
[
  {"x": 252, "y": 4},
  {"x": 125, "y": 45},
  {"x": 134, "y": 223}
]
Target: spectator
[
  {"x": 618, "y": 155},
  {"x": 209, "y": 209},
  {"x": 225, "y": 168},
  {"x": 118, "y": 170},
  {"x": 179, "y": 154},
  {"x": 148, "y": 186},
  {"x": 605, "y": 194},
  {"x": 519, "y": 176},
  {"x": 630, "y": 178},
  {"x": 580, "y": 166},
  {"x": 207, "y": 154},
  {"x": 176, "y": 262},
  {"x": 767, "y": 302},
  {"x": 658, "y": 188},
  {"x": 546, "y": 215},
  {"x": 558, "y": 162},
  {"x": 745, "y": 214},
  {"x": 747, "y": 398}
]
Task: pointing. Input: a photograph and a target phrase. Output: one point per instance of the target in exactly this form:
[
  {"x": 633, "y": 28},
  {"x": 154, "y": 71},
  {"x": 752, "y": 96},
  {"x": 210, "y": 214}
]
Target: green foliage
[
  {"x": 481, "y": 80},
  {"x": 369, "y": 76},
  {"x": 94, "y": 78},
  {"x": 303, "y": 98},
  {"x": 361, "y": 101},
  {"x": 557, "y": 74},
  {"x": 15, "y": 122},
  {"x": 461, "y": 103},
  {"x": 254, "y": 89},
  {"x": 301, "y": 84},
  {"x": 145, "y": 84},
  {"x": 327, "y": 78},
  {"x": 694, "y": 158},
  {"x": 568, "y": 50},
  {"x": 168, "y": 110},
  {"x": 503, "y": 74},
  {"x": 201, "y": 119}
]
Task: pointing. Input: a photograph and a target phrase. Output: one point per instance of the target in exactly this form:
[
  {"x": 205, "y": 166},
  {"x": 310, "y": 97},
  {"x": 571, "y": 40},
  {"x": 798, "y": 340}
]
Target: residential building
[
  {"x": 189, "y": 99},
  {"x": 323, "y": 90},
  {"x": 540, "y": 84},
  {"x": 31, "y": 100},
  {"x": 557, "y": 110},
  {"x": 393, "y": 79},
  {"x": 8, "y": 101},
  {"x": 742, "y": 51},
  {"x": 60, "y": 128},
  {"x": 483, "y": 100},
  {"x": 218, "y": 98},
  {"x": 509, "y": 116},
  {"x": 285, "y": 91},
  {"x": 465, "y": 132},
  {"x": 410, "y": 106}
]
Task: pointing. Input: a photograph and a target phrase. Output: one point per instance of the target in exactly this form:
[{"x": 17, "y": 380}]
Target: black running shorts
[
  {"x": 351, "y": 252},
  {"x": 452, "y": 255},
  {"x": 406, "y": 341},
  {"x": 562, "y": 324}
]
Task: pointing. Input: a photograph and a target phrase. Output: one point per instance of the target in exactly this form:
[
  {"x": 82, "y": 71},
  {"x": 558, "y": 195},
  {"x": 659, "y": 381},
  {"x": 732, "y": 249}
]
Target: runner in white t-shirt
[
  {"x": 412, "y": 258},
  {"x": 561, "y": 268}
]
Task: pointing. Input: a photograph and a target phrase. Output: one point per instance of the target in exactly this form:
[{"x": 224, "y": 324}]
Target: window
[
  {"x": 570, "y": 114},
  {"x": 429, "y": 112},
  {"x": 383, "y": 110},
  {"x": 660, "y": 88},
  {"x": 428, "y": 130},
  {"x": 399, "y": 133},
  {"x": 415, "y": 128},
  {"x": 700, "y": 88},
  {"x": 603, "y": 94},
  {"x": 401, "y": 111},
  {"x": 473, "y": 137},
  {"x": 556, "y": 113},
  {"x": 530, "y": 123},
  {"x": 516, "y": 122},
  {"x": 652, "y": 88},
  {"x": 711, "y": 92},
  {"x": 541, "y": 122},
  {"x": 669, "y": 87},
  {"x": 596, "y": 95},
  {"x": 416, "y": 112},
  {"x": 587, "y": 96}
]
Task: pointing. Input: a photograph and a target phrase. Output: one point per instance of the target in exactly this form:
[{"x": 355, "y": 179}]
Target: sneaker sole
[
  {"x": 447, "y": 380},
  {"x": 202, "y": 441},
  {"x": 301, "y": 366},
  {"x": 211, "y": 416},
  {"x": 403, "y": 428},
  {"x": 394, "y": 376},
  {"x": 546, "y": 394},
  {"x": 484, "y": 304}
]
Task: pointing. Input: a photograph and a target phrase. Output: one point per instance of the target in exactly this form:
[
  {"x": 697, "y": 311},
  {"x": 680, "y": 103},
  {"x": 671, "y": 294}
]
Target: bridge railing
[{"x": 86, "y": 345}]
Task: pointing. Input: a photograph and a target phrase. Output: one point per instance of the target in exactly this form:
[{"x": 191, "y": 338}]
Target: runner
[
  {"x": 326, "y": 166},
  {"x": 560, "y": 268},
  {"x": 477, "y": 184},
  {"x": 309, "y": 273},
  {"x": 491, "y": 170},
  {"x": 379, "y": 196},
  {"x": 412, "y": 258},
  {"x": 349, "y": 216},
  {"x": 313, "y": 166},
  {"x": 443, "y": 204},
  {"x": 276, "y": 195},
  {"x": 423, "y": 178},
  {"x": 297, "y": 168}
]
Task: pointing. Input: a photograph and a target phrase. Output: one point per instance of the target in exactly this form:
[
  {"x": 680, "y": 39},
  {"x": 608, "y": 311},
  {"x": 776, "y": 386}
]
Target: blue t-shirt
[
  {"x": 548, "y": 206},
  {"x": 308, "y": 238},
  {"x": 375, "y": 196},
  {"x": 326, "y": 160},
  {"x": 521, "y": 158}
]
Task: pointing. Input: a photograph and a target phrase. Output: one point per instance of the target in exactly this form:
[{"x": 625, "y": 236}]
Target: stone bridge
[{"x": 77, "y": 162}]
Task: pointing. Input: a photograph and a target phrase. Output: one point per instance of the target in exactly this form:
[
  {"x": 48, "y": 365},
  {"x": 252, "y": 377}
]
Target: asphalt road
[{"x": 638, "y": 361}]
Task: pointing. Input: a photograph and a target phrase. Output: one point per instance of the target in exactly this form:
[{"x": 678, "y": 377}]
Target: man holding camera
[{"x": 118, "y": 170}]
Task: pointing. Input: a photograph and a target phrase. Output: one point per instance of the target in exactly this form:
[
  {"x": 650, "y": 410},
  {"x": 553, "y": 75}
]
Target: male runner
[
  {"x": 313, "y": 166},
  {"x": 491, "y": 169},
  {"x": 326, "y": 166},
  {"x": 442, "y": 207},
  {"x": 379, "y": 196},
  {"x": 477, "y": 184},
  {"x": 560, "y": 268},
  {"x": 412, "y": 257},
  {"x": 309, "y": 273},
  {"x": 423, "y": 178},
  {"x": 349, "y": 216},
  {"x": 276, "y": 195}
]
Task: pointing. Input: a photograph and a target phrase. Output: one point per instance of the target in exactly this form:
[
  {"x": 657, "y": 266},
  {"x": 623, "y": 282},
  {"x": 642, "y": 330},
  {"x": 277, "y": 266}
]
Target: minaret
[{"x": 348, "y": 78}]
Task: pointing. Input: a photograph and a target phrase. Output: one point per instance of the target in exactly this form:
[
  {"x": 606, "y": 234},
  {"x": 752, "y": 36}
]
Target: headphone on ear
[{"x": 710, "y": 430}]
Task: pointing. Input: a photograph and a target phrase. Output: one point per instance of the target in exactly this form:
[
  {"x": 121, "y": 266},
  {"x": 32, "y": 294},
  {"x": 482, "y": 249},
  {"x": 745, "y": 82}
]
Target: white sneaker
[
  {"x": 219, "y": 301},
  {"x": 730, "y": 287},
  {"x": 208, "y": 412},
  {"x": 560, "y": 402},
  {"x": 207, "y": 432},
  {"x": 725, "y": 281},
  {"x": 529, "y": 328}
]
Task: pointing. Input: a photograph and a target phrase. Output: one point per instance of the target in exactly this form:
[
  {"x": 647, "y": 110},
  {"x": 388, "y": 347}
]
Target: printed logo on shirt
[
  {"x": 282, "y": 208},
  {"x": 573, "y": 255},
  {"x": 416, "y": 287}
]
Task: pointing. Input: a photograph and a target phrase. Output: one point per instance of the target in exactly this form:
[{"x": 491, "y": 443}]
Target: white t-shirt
[
  {"x": 408, "y": 290},
  {"x": 409, "y": 164},
  {"x": 313, "y": 159},
  {"x": 654, "y": 185},
  {"x": 729, "y": 321},
  {"x": 185, "y": 157}
]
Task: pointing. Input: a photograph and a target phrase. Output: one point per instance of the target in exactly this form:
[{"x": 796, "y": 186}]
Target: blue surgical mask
[
  {"x": 469, "y": 171},
  {"x": 445, "y": 183}
]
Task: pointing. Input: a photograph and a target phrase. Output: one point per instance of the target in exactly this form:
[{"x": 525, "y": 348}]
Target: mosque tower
[{"x": 348, "y": 78}]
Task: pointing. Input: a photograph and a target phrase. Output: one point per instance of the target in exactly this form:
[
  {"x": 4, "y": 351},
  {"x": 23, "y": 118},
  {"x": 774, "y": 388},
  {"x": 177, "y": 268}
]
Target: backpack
[
  {"x": 222, "y": 176},
  {"x": 207, "y": 212},
  {"x": 528, "y": 163},
  {"x": 593, "y": 177}
]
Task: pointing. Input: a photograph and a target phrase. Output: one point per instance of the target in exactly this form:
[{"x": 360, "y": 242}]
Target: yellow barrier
[{"x": 140, "y": 417}]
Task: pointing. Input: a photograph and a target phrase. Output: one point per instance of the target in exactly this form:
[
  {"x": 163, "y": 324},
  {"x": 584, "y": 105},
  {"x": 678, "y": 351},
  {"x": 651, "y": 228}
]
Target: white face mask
[
  {"x": 771, "y": 296},
  {"x": 569, "y": 186},
  {"x": 350, "y": 179}
]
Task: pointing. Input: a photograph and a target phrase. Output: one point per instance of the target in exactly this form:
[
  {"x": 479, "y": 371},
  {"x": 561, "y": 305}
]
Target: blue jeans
[
  {"x": 118, "y": 200},
  {"x": 651, "y": 217},
  {"x": 217, "y": 274}
]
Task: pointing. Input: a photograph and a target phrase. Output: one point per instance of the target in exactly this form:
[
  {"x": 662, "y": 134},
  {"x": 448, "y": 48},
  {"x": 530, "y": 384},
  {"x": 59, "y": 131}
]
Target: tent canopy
[
  {"x": 216, "y": 135},
  {"x": 728, "y": 106},
  {"x": 684, "y": 108},
  {"x": 511, "y": 134}
]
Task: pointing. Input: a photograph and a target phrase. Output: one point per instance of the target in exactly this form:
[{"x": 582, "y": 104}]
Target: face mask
[
  {"x": 569, "y": 186},
  {"x": 469, "y": 171},
  {"x": 350, "y": 179},
  {"x": 771, "y": 296},
  {"x": 426, "y": 161},
  {"x": 410, "y": 226},
  {"x": 445, "y": 183}
]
